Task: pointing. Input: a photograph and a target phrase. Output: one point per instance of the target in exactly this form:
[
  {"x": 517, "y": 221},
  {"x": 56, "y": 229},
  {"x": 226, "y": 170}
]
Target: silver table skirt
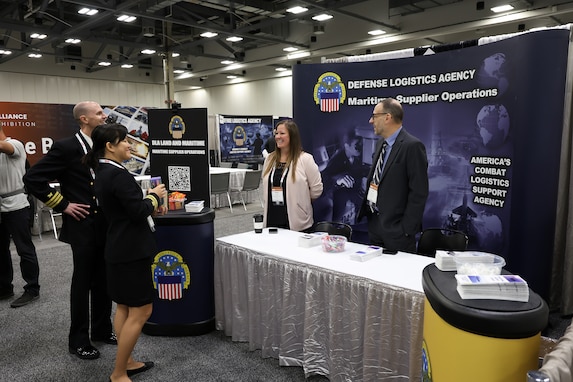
[{"x": 345, "y": 327}]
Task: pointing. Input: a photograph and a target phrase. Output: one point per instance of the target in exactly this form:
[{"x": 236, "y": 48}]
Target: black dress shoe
[
  {"x": 25, "y": 299},
  {"x": 85, "y": 352},
  {"x": 146, "y": 366},
  {"x": 110, "y": 340},
  {"x": 6, "y": 293}
]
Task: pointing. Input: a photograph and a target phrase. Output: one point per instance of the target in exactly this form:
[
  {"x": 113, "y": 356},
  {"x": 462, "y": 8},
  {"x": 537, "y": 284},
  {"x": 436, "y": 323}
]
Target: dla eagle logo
[
  {"x": 329, "y": 92},
  {"x": 170, "y": 275}
]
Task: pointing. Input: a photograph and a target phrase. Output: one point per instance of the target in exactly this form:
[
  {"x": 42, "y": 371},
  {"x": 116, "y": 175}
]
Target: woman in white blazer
[{"x": 291, "y": 181}]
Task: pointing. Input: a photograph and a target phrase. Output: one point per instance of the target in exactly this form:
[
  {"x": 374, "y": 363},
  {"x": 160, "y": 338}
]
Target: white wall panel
[
  {"x": 65, "y": 90},
  {"x": 71, "y": 93},
  {"x": 41, "y": 90},
  {"x": 270, "y": 97},
  {"x": 14, "y": 86}
]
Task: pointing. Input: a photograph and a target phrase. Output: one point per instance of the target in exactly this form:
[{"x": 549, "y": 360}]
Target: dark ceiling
[{"x": 265, "y": 26}]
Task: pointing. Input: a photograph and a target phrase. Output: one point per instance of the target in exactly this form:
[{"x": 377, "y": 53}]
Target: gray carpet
[{"x": 34, "y": 337}]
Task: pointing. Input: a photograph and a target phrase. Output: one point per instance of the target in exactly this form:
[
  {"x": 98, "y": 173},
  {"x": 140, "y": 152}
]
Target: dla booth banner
[
  {"x": 179, "y": 154},
  {"x": 242, "y": 137},
  {"x": 491, "y": 119}
]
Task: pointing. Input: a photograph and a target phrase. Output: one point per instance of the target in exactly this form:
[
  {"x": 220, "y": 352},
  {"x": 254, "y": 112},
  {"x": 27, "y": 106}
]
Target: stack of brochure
[
  {"x": 366, "y": 253},
  {"x": 493, "y": 287},
  {"x": 194, "y": 206},
  {"x": 445, "y": 260},
  {"x": 311, "y": 239}
]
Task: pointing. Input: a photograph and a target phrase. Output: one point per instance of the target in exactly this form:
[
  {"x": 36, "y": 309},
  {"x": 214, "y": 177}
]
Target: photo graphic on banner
[
  {"x": 38, "y": 126},
  {"x": 478, "y": 116},
  {"x": 242, "y": 137},
  {"x": 134, "y": 118}
]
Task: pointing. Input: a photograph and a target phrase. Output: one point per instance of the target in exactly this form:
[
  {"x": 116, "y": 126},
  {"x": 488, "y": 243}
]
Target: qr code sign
[{"x": 179, "y": 178}]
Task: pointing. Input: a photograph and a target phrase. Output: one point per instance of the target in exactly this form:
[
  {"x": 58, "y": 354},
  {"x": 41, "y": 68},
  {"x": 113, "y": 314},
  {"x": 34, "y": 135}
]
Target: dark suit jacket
[
  {"x": 402, "y": 193},
  {"x": 129, "y": 236},
  {"x": 63, "y": 163}
]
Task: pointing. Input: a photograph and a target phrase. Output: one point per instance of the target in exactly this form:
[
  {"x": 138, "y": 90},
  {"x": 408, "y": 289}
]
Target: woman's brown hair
[{"x": 295, "y": 148}]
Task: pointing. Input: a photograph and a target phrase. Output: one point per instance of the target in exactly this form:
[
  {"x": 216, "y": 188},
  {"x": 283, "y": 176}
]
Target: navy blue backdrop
[{"x": 491, "y": 118}]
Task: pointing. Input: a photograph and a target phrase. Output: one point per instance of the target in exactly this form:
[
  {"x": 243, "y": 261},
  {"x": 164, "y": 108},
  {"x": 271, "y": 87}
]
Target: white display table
[{"x": 348, "y": 320}]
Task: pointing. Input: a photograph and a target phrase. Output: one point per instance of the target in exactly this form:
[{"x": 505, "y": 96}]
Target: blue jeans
[{"x": 16, "y": 225}]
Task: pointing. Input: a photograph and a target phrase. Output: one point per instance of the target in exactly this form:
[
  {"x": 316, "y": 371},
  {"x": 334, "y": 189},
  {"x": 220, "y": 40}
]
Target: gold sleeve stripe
[
  {"x": 153, "y": 201},
  {"x": 54, "y": 200}
]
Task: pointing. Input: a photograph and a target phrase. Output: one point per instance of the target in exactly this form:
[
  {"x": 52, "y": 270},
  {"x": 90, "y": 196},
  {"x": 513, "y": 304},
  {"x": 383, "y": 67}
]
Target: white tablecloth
[{"x": 349, "y": 320}]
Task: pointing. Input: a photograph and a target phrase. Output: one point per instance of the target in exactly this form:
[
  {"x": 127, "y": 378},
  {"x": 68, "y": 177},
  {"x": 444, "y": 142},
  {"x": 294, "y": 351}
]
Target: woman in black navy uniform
[{"x": 130, "y": 244}]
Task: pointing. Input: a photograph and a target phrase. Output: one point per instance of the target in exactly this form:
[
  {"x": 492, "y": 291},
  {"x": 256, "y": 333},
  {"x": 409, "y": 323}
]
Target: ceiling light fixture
[
  {"x": 234, "y": 39},
  {"x": 186, "y": 75},
  {"x": 227, "y": 62},
  {"x": 34, "y": 55},
  {"x": 147, "y": 51},
  {"x": 126, "y": 18},
  {"x": 296, "y": 10},
  {"x": 5, "y": 52},
  {"x": 104, "y": 63},
  {"x": 290, "y": 49},
  {"x": 208, "y": 34},
  {"x": 88, "y": 11},
  {"x": 502, "y": 8},
  {"x": 73, "y": 40},
  {"x": 127, "y": 66},
  {"x": 39, "y": 36},
  {"x": 322, "y": 17},
  {"x": 281, "y": 69},
  {"x": 376, "y": 32},
  {"x": 234, "y": 67},
  {"x": 293, "y": 56},
  {"x": 175, "y": 54}
]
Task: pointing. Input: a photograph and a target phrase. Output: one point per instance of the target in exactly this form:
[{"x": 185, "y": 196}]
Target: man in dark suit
[
  {"x": 398, "y": 182},
  {"x": 83, "y": 227}
]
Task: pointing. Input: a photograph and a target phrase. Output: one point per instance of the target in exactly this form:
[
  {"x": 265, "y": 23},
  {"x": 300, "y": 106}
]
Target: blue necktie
[{"x": 380, "y": 164}]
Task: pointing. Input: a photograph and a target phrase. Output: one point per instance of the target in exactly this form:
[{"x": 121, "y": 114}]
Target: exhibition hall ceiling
[{"x": 249, "y": 37}]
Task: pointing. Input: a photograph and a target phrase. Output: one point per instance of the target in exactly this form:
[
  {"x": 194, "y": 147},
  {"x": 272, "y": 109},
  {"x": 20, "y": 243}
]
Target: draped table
[{"x": 348, "y": 320}]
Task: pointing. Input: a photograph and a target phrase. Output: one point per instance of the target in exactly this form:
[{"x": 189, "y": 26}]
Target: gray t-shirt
[{"x": 12, "y": 169}]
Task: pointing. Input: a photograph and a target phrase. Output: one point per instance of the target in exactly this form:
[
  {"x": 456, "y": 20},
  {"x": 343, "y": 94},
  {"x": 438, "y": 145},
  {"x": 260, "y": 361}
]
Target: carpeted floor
[{"x": 34, "y": 337}]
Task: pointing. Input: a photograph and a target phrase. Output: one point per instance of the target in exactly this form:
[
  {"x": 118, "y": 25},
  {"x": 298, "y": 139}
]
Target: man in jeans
[{"x": 15, "y": 222}]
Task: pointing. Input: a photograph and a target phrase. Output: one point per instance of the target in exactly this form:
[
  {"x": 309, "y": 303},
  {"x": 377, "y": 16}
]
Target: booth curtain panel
[
  {"x": 561, "y": 289},
  {"x": 561, "y": 292}
]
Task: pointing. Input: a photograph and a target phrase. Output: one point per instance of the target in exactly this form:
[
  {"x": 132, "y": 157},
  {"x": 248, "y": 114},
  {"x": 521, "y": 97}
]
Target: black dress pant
[
  {"x": 389, "y": 237},
  {"x": 88, "y": 294},
  {"x": 15, "y": 224}
]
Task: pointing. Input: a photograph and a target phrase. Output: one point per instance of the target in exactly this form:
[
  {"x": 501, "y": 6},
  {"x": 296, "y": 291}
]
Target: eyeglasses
[{"x": 375, "y": 114}]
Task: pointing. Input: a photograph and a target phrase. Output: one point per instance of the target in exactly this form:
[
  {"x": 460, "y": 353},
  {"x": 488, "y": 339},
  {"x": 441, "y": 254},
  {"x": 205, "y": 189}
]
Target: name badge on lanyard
[
  {"x": 372, "y": 195},
  {"x": 277, "y": 195}
]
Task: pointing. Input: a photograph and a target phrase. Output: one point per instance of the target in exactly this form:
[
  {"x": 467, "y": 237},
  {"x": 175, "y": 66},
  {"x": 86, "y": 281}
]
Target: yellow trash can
[{"x": 477, "y": 340}]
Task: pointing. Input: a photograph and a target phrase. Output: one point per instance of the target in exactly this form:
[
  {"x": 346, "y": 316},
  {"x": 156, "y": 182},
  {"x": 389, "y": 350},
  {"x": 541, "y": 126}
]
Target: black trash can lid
[
  {"x": 181, "y": 217},
  {"x": 491, "y": 318}
]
